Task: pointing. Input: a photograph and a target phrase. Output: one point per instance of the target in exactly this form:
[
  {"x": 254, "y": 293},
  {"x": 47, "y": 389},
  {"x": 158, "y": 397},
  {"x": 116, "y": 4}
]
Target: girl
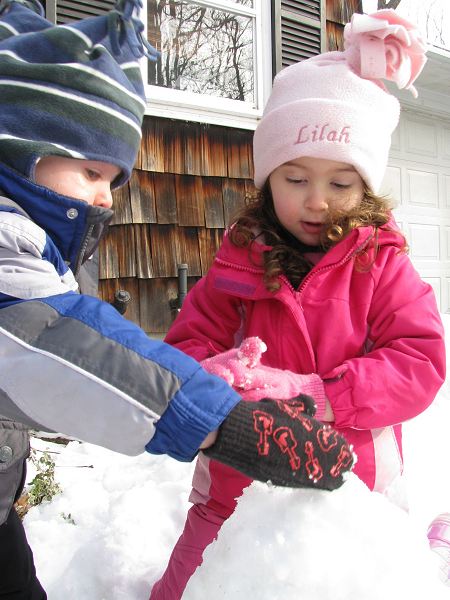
[{"x": 318, "y": 270}]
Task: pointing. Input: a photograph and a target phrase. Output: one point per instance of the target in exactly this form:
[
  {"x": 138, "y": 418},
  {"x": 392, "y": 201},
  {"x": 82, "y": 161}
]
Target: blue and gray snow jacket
[{"x": 69, "y": 363}]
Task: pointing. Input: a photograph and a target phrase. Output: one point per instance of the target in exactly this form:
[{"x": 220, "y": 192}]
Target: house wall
[{"x": 189, "y": 180}]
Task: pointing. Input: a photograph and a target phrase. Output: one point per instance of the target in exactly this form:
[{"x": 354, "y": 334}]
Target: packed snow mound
[{"x": 317, "y": 545}]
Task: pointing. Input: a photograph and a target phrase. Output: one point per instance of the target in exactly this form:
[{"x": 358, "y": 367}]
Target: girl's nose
[{"x": 317, "y": 199}]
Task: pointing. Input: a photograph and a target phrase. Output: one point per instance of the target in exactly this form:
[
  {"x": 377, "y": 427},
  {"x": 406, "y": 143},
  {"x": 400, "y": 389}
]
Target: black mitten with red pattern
[{"x": 281, "y": 442}]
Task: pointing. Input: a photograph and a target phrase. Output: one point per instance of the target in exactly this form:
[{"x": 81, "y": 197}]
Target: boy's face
[{"x": 86, "y": 180}]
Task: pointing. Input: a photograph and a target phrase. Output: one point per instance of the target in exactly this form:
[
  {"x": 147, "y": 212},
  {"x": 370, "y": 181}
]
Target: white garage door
[{"x": 418, "y": 179}]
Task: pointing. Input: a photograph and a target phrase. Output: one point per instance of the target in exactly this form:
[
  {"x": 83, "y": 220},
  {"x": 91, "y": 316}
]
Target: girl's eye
[
  {"x": 341, "y": 186},
  {"x": 295, "y": 180}
]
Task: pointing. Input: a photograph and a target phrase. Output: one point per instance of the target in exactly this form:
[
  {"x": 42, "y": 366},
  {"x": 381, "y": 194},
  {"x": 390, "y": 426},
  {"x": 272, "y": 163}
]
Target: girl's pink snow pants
[{"x": 201, "y": 528}]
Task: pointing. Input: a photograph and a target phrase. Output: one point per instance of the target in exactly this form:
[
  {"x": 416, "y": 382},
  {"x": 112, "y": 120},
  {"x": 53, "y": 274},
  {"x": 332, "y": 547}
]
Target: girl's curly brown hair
[{"x": 287, "y": 254}]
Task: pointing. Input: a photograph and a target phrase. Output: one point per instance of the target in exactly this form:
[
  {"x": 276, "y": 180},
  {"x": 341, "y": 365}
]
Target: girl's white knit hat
[{"x": 334, "y": 105}]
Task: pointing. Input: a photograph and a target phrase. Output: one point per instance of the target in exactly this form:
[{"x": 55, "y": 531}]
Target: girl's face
[{"x": 304, "y": 190}]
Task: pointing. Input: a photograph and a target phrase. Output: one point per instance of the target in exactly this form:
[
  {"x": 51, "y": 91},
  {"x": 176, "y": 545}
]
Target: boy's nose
[{"x": 104, "y": 197}]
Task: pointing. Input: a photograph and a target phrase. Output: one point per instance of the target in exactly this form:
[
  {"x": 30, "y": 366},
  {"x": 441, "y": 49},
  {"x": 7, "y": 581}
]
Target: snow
[
  {"x": 111, "y": 531},
  {"x": 307, "y": 544}
]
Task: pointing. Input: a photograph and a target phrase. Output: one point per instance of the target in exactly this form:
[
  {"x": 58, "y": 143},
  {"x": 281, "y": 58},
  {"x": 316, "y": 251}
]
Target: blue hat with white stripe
[{"x": 71, "y": 90}]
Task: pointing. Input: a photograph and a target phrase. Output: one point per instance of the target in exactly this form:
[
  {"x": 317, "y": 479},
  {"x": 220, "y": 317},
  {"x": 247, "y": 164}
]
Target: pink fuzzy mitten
[{"x": 241, "y": 368}]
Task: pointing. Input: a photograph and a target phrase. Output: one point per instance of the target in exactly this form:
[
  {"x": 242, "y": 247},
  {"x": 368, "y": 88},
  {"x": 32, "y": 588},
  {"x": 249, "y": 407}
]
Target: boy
[{"x": 72, "y": 103}]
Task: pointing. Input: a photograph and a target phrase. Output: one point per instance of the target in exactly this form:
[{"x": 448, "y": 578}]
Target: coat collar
[
  {"x": 74, "y": 226},
  {"x": 360, "y": 238}
]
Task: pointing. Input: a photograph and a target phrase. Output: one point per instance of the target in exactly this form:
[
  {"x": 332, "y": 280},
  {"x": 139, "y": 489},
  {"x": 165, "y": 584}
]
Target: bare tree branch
[{"x": 206, "y": 51}]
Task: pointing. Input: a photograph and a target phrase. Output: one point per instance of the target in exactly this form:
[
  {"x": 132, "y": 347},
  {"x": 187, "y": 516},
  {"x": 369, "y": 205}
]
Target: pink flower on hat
[{"x": 383, "y": 45}]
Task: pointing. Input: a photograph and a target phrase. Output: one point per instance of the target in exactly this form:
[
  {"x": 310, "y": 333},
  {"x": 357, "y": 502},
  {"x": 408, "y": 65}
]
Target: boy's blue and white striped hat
[{"x": 71, "y": 90}]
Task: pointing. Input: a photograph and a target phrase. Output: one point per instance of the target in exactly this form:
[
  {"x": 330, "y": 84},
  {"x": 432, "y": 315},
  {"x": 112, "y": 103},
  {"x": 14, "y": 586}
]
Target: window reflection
[{"x": 203, "y": 50}]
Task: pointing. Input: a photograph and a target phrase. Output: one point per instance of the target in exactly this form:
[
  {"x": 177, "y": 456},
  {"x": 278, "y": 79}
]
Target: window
[
  {"x": 215, "y": 62},
  {"x": 204, "y": 50}
]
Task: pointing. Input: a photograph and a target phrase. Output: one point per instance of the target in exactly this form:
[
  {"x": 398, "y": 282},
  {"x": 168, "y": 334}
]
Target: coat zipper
[
  {"x": 344, "y": 259},
  {"x": 310, "y": 275},
  {"x": 238, "y": 267}
]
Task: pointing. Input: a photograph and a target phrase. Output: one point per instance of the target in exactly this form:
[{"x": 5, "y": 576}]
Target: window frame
[{"x": 184, "y": 105}]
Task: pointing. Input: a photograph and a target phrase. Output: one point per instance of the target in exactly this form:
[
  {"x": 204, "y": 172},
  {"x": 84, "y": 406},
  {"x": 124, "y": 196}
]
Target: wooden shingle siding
[
  {"x": 341, "y": 12},
  {"x": 163, "y": 250},
  {"x": 214, "y": 151},
  {"x": 190, "y": 203},
  {"x": 151, "y": 153},
  {"x": 189, "y": 181},
  {"x": 239, "y": 156},
  {"x": 155, "y": 313},
  {"x": 166, "y": 201},
  {"x": 122, "y": 206},
  {"x": 144, "y": 261},
  {"x": 213, "y": 202},
  {"x": 335, "y": 39},
  {"x": 338, "y": 13},
  {"x": 233, "y": 198},
  {"x": 209, "y": 243},
  {"x": 142, "y": 197},
  {"x": 200, "y": 150}
]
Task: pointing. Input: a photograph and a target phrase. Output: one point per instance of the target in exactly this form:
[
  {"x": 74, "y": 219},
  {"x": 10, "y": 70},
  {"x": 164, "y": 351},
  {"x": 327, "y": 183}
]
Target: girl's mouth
[{"x": 312, "y": 228}]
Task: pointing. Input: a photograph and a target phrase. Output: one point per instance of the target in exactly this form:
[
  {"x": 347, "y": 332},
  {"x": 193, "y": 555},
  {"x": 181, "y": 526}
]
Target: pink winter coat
[{"x": 373, "y": 335}]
